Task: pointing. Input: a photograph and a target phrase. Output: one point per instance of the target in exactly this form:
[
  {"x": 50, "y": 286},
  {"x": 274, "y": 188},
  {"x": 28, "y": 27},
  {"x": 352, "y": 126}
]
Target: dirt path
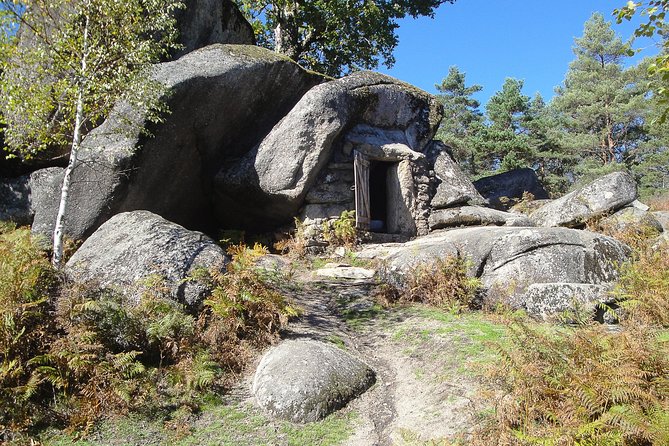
[{"x": 420, "y": 394}]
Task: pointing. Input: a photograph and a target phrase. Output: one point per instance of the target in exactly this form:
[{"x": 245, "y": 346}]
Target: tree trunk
[
  {"x": 65, "y": 189},
  {"x": 286, "y": 33},
  {"x": 74, "y": 152}
]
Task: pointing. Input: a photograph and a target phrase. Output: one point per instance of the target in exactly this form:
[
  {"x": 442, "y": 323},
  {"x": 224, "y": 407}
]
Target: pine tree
[
  {"x": 463, "y": 120},
  {"x": 506, "y": 143},
  {"x": 601, "y": 102},
  {"x": 553, "y": 163}
]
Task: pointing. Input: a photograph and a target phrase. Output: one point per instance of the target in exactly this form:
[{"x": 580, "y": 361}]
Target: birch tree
[{"x": 75, "y": 59}]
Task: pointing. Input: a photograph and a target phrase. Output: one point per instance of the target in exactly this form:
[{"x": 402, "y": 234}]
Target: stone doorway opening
[
  {"x": 379, "y": 172},
  {"x": 381, "y": 201}
]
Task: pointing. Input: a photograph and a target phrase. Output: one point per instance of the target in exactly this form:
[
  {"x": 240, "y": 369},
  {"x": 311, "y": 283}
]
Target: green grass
[
  {"x": 218, "y": 425},
  {"x": 465, "y": 343},
  {"x": 337, "y": 340},
  {"x": 356, "y": 319}
]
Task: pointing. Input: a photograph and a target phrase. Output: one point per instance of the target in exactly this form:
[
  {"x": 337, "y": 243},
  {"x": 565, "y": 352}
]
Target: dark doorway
[{"x": 378, "y": 196}]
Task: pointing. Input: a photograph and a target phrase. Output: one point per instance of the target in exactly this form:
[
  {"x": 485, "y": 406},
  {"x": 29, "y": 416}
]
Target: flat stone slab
[
  {"x": 337, "y": 271},
  {"x": 305, "y": 381},
  {"x": 475, "y": 216}
]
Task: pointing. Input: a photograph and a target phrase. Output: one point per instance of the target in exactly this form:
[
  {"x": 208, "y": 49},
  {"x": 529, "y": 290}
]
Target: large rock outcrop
[
  {"x": 382, "y": 117},
  {"x": 605, "y": 195},
  {"x": 133, "y": 246},
  {"x": 222, "y": 100},
  {"x": 509, "y": 260},
  {"x": 304, "y": 381},
  {"x": 506, "y": 189}
]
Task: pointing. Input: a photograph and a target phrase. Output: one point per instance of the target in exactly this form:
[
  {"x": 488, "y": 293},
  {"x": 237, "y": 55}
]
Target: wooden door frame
[{"x": 362, "y": 204}]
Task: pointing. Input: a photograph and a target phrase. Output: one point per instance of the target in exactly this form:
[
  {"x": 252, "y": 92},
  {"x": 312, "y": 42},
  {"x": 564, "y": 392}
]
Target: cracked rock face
[
  {"x": 605, "y": 195},
  {"x": 509, "y": 260},
  {"x": 304, "y": 381},
  {"x": 132, "y": 246}
]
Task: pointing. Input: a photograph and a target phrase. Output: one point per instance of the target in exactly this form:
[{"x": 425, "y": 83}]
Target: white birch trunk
[
  {"x": 74, "y": 152},
  {"x": 65, "y": 189}
]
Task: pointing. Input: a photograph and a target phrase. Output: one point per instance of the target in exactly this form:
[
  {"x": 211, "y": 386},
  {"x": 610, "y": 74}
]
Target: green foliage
[
  {"x": 333, "y": 36},
  {"x": 97, "y": 352},
  {"x": 26, "y": 328},
  {"x": 342, "y": 231},
  {"x": 655, "y": 13},
  {"x": 601, "y": 102},
  {"x": 462, "y": 117},
  {"x": 444, "y": 283},
  {"x": 77, "y": 60},
  {"x": 98, "y": 51}
]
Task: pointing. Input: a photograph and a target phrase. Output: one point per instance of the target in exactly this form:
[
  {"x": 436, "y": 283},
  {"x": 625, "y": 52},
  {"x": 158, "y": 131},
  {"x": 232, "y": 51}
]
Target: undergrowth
[
  {"x": 26, "y": 282},
  {"x": 341, "y": 231},
  {"x": 591, "y": 385},
  {"x": 443, "y": 283},
  {"x": 71, "y": 354},
  {"x": 659, "y": 202}
]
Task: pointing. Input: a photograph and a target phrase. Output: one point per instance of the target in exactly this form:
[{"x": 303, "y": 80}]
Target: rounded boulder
[{"x": 304, "y": 381}]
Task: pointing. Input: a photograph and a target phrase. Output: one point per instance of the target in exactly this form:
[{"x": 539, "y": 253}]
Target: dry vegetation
[
  {"x": 591, "y": 385},
  {"x": 443, "y": 283},
  {"x": 659, "y": 203},
  {"x": 72, "y": 354}
]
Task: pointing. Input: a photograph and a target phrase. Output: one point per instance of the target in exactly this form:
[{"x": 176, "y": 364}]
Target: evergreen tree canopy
[
  {"x": 507, "y": 142},
  {"x": 601, "y": 102},
  {"x": 462, "y": 118}
]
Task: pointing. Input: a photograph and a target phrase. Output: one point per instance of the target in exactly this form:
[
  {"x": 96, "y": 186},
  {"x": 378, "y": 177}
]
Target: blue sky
[{"x": 491, "y": 40}]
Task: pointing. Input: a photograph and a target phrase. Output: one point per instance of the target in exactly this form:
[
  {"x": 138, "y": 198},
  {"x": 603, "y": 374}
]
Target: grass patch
[
  {"x": 219, "y": 425},
  {"x": 357, "y": 318}
]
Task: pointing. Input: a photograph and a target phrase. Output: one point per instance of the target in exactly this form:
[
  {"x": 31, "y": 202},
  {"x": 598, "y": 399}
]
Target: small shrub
[
  {"x": 296, "y": 244},
  {"x": 230, "y": 237},
  {"x": 443, "y": 283},
  {"x": 342, "y": 231},
  {"x": 244, "y": 309}
]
